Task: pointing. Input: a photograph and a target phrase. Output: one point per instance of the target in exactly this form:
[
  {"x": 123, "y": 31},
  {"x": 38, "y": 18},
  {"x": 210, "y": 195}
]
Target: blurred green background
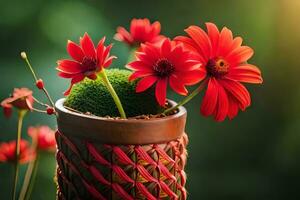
[{"x": 255, "y": 156}]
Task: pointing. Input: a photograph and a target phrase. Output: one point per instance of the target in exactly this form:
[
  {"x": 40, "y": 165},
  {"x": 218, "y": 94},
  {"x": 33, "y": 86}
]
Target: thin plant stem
[
  {"x": 30, "y": 170},
  {"x": 33, "y": 178},
  {"x": 29, "y": 65},
  {"x": 39, "y": 102},
  {"x": 38, "y": 110},
  {"x": 186, "y": 99},
  {"x": 21, "y": 115},
  {"x": 49, "y": 97},
  {"x": 113, "y": 93},
  {"x": 24, "y": 56}
]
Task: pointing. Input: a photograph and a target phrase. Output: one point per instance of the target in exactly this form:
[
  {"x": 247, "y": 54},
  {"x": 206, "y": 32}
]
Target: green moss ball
[{"x": 92, "y": 96}]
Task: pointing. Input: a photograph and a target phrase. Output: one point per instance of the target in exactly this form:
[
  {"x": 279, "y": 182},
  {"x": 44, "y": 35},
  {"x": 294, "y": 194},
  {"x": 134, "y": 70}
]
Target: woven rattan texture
[{"x": 88, "y": 170}]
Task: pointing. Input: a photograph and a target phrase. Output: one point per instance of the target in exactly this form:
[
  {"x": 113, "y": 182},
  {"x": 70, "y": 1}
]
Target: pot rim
[
  {"x": 121, "y": 131},
  {"x": 59, "y": 105}
]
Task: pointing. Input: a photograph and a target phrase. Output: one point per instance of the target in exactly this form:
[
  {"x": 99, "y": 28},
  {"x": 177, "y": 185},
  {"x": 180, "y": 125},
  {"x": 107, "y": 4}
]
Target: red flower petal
[
  {"x": 210, "y": 99},
  {"x": 192, "y": 77},
  {"x": 74, "y": 80},
  {"x": 7, "y": 152},
  {"x": 240, "y": 55},
  {"x": 155, "y": 29},
  {"x": 138, "y": 65},
  {"x": 191, "y": 46},
  {"x": 65, "y": 75},
  {"x": 139, "y": 74},
  {"x": 150, "y": 54},
  {"x": 29, "y": 102},
  {"x": 233, "y": 108},
  {"x": 75, "y": 51},
  {"x": 145, "y": 58},
  {"x": 238, "y": 91},
  {"x": 161, "y": 91},
  {"x": 69, "y": 67},
  {"x": 188, "y": 65},
  {"x": 165, "y": 47},
  {"x": 245, "y": 68},
  {"x": 123, "y": 35},
  {"x": 246, "y": 73},
  {"x": 88, "y": 46},
  {"x": 141, "y": 31},
  {"x": 223, "y": 105},
  {"x": 145, "y": 83},
  {"x": 108, "y": 62},
  {"x": 100, "y": 50},
  {"x": 247, "y": 78},
  {"x": 201, "y": 39},
  {"x": 184, "y": 61},
  {"x": 44, "y": 136},
  {"x": 236, "y": 43},
  {"x": 177, "y": 86},
  {"x": 7, "y": 110},
  {"x": 225, "y": 41},
  {"x": 213, "y": 34},
  {"x": 106, "y": 51},
  {"x": 21, "y": 98}
]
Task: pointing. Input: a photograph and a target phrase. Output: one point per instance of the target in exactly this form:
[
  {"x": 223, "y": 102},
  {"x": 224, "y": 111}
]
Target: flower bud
[
  {"x": 50, "y": 110},
  {"x": 39, "y": 84},
  {"x": 23, "y": 55}
]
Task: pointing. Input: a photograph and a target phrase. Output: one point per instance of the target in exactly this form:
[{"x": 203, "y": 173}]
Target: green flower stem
[
  {"x": 21, "y": 115},
  {"x": 30, "y": 186},
  {"x": 49, "y": 97},
  {"x": 32, "y": 167},
  {"x": 112, "y": 93},
  {"x": 24, "y": 56},
  {"x": 186, "y": 99}
]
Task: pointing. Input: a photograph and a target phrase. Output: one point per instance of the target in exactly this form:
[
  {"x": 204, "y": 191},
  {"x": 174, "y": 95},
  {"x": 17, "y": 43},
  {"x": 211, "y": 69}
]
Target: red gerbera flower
[
  {"x": 8, "y": 152},
  {"x": 88, "y": 60},
  {"x": 163, "y": 63},
  {"x": 225, "y": 61},
  {"x": 21, "y": 98},
  {"x": 141, "y": 31},
  {"x": 44, "y": 136}
]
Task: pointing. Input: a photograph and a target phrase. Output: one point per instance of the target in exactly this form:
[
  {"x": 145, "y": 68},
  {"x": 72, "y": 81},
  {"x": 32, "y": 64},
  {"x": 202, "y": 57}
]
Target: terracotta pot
[{"x": 101, "y": 158}]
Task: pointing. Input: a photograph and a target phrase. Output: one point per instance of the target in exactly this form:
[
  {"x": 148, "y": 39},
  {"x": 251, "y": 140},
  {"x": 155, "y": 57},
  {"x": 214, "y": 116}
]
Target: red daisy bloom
[
  {"x": 225, "y": 61},
  {"x": 8, "y": 152},
  {"x": 163, "y": 63},
  {"x": 87, "y": 60},
  {"x": 21, "y": 98},
  {"x": 45, "y": 137},
  {"x": 141, "y": 31}
]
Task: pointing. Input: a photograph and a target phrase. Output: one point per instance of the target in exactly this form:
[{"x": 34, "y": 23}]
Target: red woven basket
[{"x": 101, "y": 158}]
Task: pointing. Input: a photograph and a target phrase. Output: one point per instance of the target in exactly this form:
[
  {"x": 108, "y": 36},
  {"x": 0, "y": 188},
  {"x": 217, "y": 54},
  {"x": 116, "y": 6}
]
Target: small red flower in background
[
  {"x": 225, "y": 61},
  {"x": 88, "y": 60},
  {"x": 8, "y": 152},
  {"x": 163, "y": 63},
  {"x": 44, "y": 136},
  {"x": 21, "y": 98},
  {"x": 141, "y": 31}
]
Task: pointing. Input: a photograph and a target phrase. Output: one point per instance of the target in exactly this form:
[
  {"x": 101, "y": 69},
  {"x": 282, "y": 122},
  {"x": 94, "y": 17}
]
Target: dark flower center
[
  {"x": 217, "y": 67},
  {"x": 89, "y": 64},
  {"x": 163, "y": 68}
]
